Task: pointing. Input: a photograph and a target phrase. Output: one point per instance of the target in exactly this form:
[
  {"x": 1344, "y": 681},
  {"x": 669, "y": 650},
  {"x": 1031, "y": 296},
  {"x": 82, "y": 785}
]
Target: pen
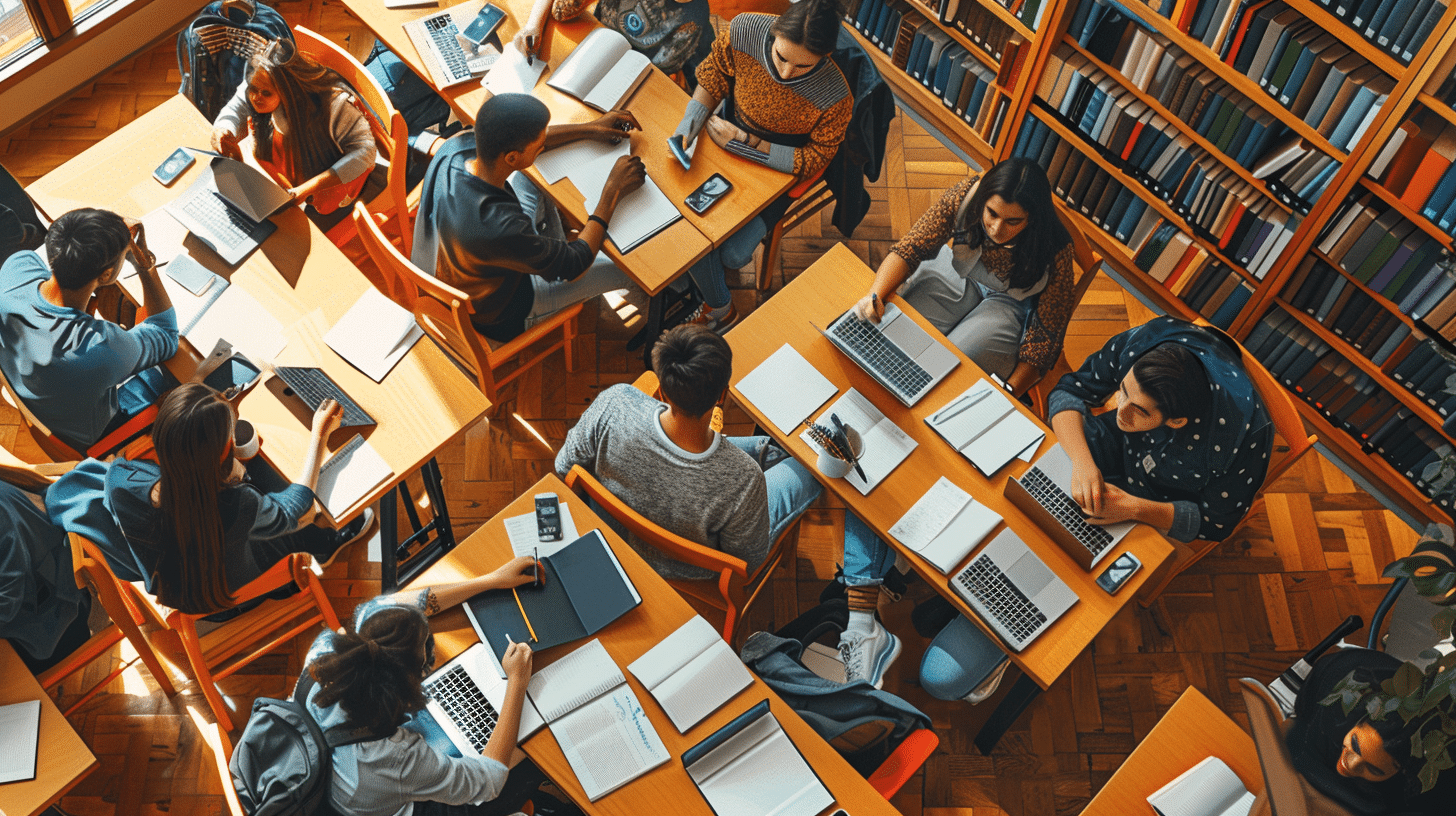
[
  {"x": 947, "y": 413},
  {"x": 536, "y": 565},
  {"x": 529, "y": 627},
  {"x": 530, "y": 50}
]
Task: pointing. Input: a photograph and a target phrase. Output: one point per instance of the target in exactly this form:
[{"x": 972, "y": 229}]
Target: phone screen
[
  {"x": 1118, "y": 572},
  {"x": 548, "y": 518},
  {"x": 708, "y": 194},
  {"x": 174, "y": 166},
  {"x": 484, "y": 23}
]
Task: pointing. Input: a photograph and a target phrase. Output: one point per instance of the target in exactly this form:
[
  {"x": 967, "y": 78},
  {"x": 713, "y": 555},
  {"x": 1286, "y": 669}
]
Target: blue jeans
[
  {"x": 552, "y": 296},
  {"x": 867, "y": 558},
  {"x": 791, "y": 488},
  {"x": 735, "y": 253}
]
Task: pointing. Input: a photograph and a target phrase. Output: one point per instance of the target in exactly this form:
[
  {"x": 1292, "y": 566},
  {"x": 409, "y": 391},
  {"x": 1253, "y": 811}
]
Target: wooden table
[
  {"x": 62, "y": 757},
  {"x": 1192, "y": 730},
  {"x": 661, "y": 612},
  {"x": 304, "y": 281},
  {"x": 823, "y": 292}
]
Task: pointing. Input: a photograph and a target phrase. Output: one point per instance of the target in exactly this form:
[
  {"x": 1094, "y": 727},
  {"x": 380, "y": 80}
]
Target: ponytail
[{"x": 375, "y": 673}]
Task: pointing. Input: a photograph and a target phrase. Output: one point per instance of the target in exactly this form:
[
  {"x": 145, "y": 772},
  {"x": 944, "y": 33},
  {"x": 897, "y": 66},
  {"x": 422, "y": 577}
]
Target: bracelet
[{"x": 598, "y": 219}]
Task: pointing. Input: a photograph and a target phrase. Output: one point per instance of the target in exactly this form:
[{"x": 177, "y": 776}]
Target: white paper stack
[
  {"x": 786, "y": 388},
  {"x": 945, "y": 525},
  {"x": 350, "y": 474},
  {"x": 374, "y": 335},
  {"x": 525, "y": 534},
  {"x": 984, "y": 424},
  {"x": 691, "y": 673},
  {"x": 240, "y": 319}
]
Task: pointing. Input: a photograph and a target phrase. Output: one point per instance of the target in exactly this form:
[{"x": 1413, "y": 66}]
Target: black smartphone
[
  {"x": 708, "y": 194},
  {"x": 548, "y": 517},
  {"x": 175, "y": 165},
  {"x": 1118, "y": 572},
  {"x": 484, "y": 24}
]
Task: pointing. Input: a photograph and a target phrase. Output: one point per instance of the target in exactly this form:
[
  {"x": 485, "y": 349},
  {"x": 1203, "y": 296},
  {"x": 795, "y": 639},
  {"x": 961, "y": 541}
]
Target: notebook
[
  {"x": 786, "y": 388},
  {"x": 348, "y": 475},
  {"x": 639, "y": 215},
  {"x": 602, "y": 70},
  {"x": 885, "y": 445},
  {"x": 597, "y": 719},
  {"x": 750, "y": 767},
  {"x": 1210, "y": 788},
  {"x": 375, "y": 334},
  {"x": 691, "y": 673},
  {"x": 985, "y": 425},
  {"x": 20, "y": 723},
  {"x": 945, "y": 525}
]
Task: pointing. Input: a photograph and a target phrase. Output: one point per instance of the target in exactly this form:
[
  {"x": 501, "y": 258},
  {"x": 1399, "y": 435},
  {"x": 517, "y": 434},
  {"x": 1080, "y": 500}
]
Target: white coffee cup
[
  {"x": 245, "y": 440},
  {"x": 834, "y": 467}
]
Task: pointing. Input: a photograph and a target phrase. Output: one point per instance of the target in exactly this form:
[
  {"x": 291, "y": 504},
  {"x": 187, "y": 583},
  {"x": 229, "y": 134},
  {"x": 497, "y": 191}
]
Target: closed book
[
  {"x": 1335, "y": 87},
  {"x": 1426, "y": 277},
  {"x": 1352, "y": 258},
  {"x": 1335, "y": 228},
  {"x": 1313, "y": 82},
  {"x": 1169, "y": 256},
  {"x": 1243, "y": 57},
  {"x": 1261, "y": 265},
  {"x": 1136, "y": 210},
  {"x": 1355, "y": 232},
  {"x": 1340, "y": 124},
  {"x": 1413, "y": 272},
  {"x": 951, "y": 57},
  {"x": 1442, "y": 312},
  {"x": 1408, "y": 25},
  {"x": 1290, "y": 89},
  {"x": 1413, "y": 361},
  {"x": 1296, "y": 283},
  {"x": 1093, "y": 196},
  {"x": 1339, "y": 288},
  {"x": 1427, "y": 26},
  {"x": 1221, "y": 295},
  {"x": 1209, "y": 281},
  {"x": 1276, "y": 41},
  {"x": 1362, "y": 12},
  {"x": 1441, "y": 287},
  {"x": 1281, "y": 64},
  {"x": 1264, "y": 331},
  {"x": 1386, "y": 277},
  {"x": 1056, "y": 64},
  {"x": 1441, "y": 196},
  {"x": 1382, "y": 252},
  {"x": 1387, "y": 348},
  {"x": 958, "y": 74}
]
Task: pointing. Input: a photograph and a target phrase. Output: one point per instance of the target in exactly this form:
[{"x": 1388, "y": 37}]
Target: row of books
[
  {"x": 1446, "y": 91},
  {"x": 1171, "y": 257},
  {"x": 958, "y": 77},
  {"x": 1029, "y": 12},
  {"x": 1379, "y": 247},
  {"x": 1418, "y": 164},
  {"x": 1350, "y": 399},
  {"x": 1428, "y": 373},
  {"x": 1400, "y": 27},
  {"x": 1348, "y": 311},
  {"x": 1077, "y": 179},
  {"x": 880, "y": 22}
]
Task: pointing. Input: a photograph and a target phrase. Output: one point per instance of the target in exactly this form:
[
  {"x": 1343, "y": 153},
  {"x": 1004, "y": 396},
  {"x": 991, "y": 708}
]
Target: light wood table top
[
  {"x": 1192, "y": 730},
  {"x": 62, "y": 758},
  {"x": 661, "y": 612},
  {"x": 303, "y": 280},
  {"x": 819, "y": 295}
]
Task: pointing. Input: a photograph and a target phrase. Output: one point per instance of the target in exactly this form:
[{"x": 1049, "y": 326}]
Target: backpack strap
[{"x": 340, "y": 735}]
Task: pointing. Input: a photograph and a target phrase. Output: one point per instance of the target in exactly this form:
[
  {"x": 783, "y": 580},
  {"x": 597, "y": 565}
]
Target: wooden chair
[
  {"x": 444, "y": 313},
  {"x": 733, "y": 591},
  {"x": 52, "y": 446},
  {"x": 809, "y": 197},
  {"x": 903, "y": 762},
  {"x": 24, "y": 475},
  {"x": 391, "y": 134},
  {"x": 220, "y": 653},
  {"x": 1088, "y": 261},
  {"x": 221, "y": 750}
]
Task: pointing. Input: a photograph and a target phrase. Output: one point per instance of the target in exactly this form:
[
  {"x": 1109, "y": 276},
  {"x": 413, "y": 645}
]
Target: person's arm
[
  {"x": 156, "y": 336},
  {"x": 502, "y": 742},
  {"x": 921, "y": 243},
  {"x": 433, "y": 599},
  {"x": 231, "y": 124},
  {"x": 528, "y": 37},
  {"x": 325, "y": 421},
  {"x": 627, "y": 175},
  {"x": 715, "y": 82},
  {"x": 584, "y": 439},
  {"x": 612, "y": 126},
  {"x": 1041, "y": 343},
  {"x": 1067, "y": 406},
  {"x": 1119, "y": 505},
  {"x": 352, "y": 135}
]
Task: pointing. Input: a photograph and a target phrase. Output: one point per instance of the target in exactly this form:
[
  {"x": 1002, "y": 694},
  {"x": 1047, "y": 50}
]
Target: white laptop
[
  {"x": 1013, "y": 590},
  {"x": 1045, "y": 494},
  {"x": 900, "y": 355},
  {"x": 435, "y": 38},
  {"x": 464, "y": 698},
  {"x": 228, "y": 207}
]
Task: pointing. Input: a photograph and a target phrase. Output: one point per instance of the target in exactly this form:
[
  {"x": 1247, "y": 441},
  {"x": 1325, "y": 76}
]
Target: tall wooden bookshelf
[{"x": 1415, "y": 87}]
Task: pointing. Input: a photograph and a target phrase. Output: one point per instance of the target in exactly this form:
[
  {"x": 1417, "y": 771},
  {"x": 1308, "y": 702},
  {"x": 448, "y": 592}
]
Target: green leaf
[
  {"x": 1407, "y": 680},
  {"x": 1427, "y": 776}
]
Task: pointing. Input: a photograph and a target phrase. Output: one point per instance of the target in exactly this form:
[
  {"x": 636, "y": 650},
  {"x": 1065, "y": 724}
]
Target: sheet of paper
[
  {"x": 928, "y": 516},
  {"x": 350, "y": 474},
  {"x": 993, "y": 449},
  {"x": 20, "y": 723},
  {"x": 374, "y": 334},
  {"x": 640, "y": 215},
  {"x": 240, "y": 319},
  {"x": 582, "y": 160},
  {"x": 786, "y": 388},
  {"x": 511, "y": 74},
  {"x": 969, "y": 414},
  {"x": 188, "y": 307},
  {"x": 964, "y": 533},
  {"x": 526, "y": 541}
]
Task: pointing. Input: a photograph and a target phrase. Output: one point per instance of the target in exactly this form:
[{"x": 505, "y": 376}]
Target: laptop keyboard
[
  {"x": 442, "y": 31},
  {"x": 313, "y": 386},
  {"x": 227, "y": 225},
  {"x": 985, "y": 582},
  {"x": 881, "y": 356},
  {"x": 1065, "y": 510},
  {"x": 466, "y": 704}
]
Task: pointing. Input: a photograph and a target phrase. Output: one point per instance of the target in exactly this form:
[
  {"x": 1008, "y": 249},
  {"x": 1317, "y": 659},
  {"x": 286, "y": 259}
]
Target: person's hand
[
  {"x": 870, "y": 307},
  {"x": 1088, "y": 489},
  {"x": 722, "y": 131},
  {"x": 627, "y": 175},
  {"x": 1117, "y": 505},
  {"x": 517, "y": 662},
  {"x": 327, "y": 418},
  {"x": 612, "y": 126},
  {"x": 513, "y": 573},
  {"x": 524, "y": 38},
  {"x": 144, "y": 259},
  {"x": 224, "y": 142}
]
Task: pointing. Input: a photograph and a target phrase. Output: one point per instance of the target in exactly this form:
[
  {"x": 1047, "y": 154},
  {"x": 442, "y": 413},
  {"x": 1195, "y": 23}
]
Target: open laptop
[
  {"x": 1013, "y": 590},
  {"x": 228, "y": 207},
  {"x": 314, "y": 385},
  {"x": 1044, "y": 494},
  {"x": 900, "y": 355},
  {"x": 434, "y": 36},
  {"x": 464, "y": 697}
]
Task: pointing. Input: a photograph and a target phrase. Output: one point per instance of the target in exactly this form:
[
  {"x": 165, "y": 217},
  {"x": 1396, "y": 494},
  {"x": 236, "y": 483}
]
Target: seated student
[
  {"x": 188, "y": 524},
  {"x": 306, "y": 129},
  {"x": 665, "y": 462},
  {"x": 485, "y": 229},
  {"x": 1364, "y": 764},
  {"x": 674, "y": 34},
  {"x": 42, "y": 612},
  {"x": 1004, "y": 294},
  {"x": 73, "y": 369},
  {"x": 788, "y": 107},
  {"x": 370, "y": 678},
  {"x": 1188, "y": 446}
]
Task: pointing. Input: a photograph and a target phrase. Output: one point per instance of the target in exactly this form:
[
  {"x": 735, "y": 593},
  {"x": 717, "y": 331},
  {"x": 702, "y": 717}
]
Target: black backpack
[
  {"x": 283, "y": 763},
  {"x": 213, "y": 50}
]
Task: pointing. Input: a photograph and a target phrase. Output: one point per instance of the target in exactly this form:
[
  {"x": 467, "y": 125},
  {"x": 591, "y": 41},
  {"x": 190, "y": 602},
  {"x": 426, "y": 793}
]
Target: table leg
[
  {"x": 429, "y": 540},
  {"x": 1016, "y": 701},
  {"x": 647, "y": 337}
]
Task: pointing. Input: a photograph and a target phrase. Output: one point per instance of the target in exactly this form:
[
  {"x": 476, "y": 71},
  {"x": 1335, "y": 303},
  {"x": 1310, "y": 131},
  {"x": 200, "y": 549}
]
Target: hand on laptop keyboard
[
  {"x": 870, "y": 307},
  {"x": 1117, "y": 505}
]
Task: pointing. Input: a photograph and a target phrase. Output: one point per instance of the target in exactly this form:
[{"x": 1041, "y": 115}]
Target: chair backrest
[
  {"x": 1288, "y": 793},
  {"x": 26, "y": 476},
  {"x": 902, "y": 764},
  {"x": 1087, "y": 258}
]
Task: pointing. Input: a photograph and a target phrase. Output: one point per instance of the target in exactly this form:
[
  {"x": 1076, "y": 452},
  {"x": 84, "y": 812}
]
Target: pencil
[{"x": 529, "y": 627}]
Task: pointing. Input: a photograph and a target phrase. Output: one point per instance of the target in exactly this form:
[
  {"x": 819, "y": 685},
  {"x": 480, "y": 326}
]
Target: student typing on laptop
[
  {"x": 1188, "y": 446},
  {"x": 81, "y": 375}
]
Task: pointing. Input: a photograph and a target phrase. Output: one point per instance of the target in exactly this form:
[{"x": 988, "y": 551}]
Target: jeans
[
  {"x": 867, "y": 558},
  {"x": 735, "y": 253},
  {"x": 791, "y": 488}
]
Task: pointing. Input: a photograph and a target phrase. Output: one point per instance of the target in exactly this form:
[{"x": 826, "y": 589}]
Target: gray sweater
[{"x": 717, "y": 498}]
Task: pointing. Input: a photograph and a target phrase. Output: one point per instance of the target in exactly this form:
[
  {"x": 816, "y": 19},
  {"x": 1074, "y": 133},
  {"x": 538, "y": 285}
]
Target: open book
[
  {"x": 885, "y": 445},
  {"x": 597, "y": 720},
  {"x": 1210, "y": 788},
  {"x": 691, "y": 673},
  {"x": 985, "y": 426},
  {"x": 945, "y": 525},
  {"x": 602, "y": 70},
  {"x": 750, "y": 767}
]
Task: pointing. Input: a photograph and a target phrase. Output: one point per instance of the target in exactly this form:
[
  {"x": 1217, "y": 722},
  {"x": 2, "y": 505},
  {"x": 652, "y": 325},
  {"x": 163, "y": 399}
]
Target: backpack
[
  {"x": 213, "y": 51},
  {"x": 283, "y": 764}
]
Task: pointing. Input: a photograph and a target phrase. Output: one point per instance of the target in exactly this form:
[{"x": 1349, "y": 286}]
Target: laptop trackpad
[
  {"x": 907, "y": 335},
  {"x": 1030, "y": 575}
]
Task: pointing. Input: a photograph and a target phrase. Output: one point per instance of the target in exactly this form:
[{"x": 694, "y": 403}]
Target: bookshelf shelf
[
  {"x": 1406, "y": 212},
  {"x": 956, "y": 34},
  {"x": 1379, "y": 298},
  {"x": 1437, "y": 106},
  {"x": 1349, "y": 36}
]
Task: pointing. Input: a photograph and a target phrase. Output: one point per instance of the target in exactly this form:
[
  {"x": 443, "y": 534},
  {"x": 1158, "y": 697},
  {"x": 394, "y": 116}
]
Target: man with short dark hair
[
  {"x": 81, "y": 375},
  {"x": 485, "y": 229},
  {"x": 664, "y": 460}
]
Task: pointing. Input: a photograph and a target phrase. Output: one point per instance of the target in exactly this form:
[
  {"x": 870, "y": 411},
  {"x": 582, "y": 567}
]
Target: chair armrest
[{"x": 131, "y": 428}]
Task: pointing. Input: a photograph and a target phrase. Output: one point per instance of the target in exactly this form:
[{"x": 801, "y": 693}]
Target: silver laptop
[
  {"x": 434, "y": 36},
  {"x": 464, "y": 698},
  {"x": 228, "y": 207},
  {"x": 900, "y": 355},
  {"x": 1044, "y": 494},
  {"x": 1013, "y": 590}
]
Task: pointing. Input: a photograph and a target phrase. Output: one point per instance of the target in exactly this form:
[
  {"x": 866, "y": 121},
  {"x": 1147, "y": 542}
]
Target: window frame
[{"x": 57, "y": 33}]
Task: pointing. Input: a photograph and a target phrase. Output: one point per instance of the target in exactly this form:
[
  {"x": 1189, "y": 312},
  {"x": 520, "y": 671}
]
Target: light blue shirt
[{"x": 65, "y": 364}]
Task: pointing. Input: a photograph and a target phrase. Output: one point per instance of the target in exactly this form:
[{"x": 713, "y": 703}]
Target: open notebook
[
  {"x": 691, "y": 673},
  {"x": 750, "y": 767},
  {"x": 602, "y": 70}
]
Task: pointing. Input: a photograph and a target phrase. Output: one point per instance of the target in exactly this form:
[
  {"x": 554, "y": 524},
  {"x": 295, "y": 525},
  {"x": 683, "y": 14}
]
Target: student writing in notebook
[
  {"x": 81, "y": 375},
  {"x": 1002, "y": 291},
  {"x": 788, "y": 107},
  {"x": 188, "y": 524},
  {"x": 1188, "y": 446},
  {"x": 485, "y": 229},
  {"x": 674, "y": 34}
]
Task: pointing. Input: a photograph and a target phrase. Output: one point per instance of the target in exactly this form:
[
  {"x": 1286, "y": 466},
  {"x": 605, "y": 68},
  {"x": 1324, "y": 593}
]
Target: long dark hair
[
  {"x": 376, "y": 673},
  {"x": 193, "y": 438},
  {"x": 305, "y": 97},
  {"x": 811, "y": 24},
  {"x": 1023, "y": 182}
]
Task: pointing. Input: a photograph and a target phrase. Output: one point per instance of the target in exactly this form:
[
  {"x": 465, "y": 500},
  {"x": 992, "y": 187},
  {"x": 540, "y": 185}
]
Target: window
[
  {"x": 16, "y": 31},
  {"x": 26, "y": 24}
]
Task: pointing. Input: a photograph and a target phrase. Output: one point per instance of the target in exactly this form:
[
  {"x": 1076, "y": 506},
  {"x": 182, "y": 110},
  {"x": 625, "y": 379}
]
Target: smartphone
[
  {"x": 175, "y": 165},
  {"x": 708, "y": 194},
  {"x": 674, "y": 143},
  {"x": 484, "y": 24},
  {"x": 1118, "y": 572},
  {"x": 548, "y": 517}
]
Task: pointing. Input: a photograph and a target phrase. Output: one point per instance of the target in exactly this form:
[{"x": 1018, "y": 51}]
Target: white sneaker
[{"x": 868, "y": 657}]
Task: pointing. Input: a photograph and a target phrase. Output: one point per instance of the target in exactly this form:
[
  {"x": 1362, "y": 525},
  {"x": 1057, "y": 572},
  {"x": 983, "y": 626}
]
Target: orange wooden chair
[
  {"x": 903, "y": 762},
  {"x": 733, "y": 591},
  {"x": 1088, "y": 261},
  {"x": 59, "y": 451},
  {"x": 444, "y": 313}
]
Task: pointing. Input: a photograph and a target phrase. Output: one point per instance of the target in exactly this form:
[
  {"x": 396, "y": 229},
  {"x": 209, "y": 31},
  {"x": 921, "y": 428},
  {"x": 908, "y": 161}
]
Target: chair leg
[
  {"x": 1016, "y": 701},
  {"x": 770, "y": 257},
  {"x": 568, "y": 345},
  {"x": 121, "y": 614},
  {"x": 193, "y": 646}
]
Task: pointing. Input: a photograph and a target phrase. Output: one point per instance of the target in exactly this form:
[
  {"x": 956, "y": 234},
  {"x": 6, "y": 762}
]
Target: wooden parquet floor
[{"x": 1249, "y": 609}]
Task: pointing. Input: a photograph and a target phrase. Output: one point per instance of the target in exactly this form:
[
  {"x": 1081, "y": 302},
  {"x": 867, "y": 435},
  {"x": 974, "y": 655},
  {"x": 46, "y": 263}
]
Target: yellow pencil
[{"x": 529, "y": 627}]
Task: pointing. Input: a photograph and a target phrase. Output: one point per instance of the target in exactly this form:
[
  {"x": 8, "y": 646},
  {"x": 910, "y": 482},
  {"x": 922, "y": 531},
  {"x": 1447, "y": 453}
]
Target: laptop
[
  {"x": 463, "y": 700},
  {"x": 228, "y": 207},
  {"x": 434, "y": 36},
  {"x": 1044, "y": 494},
  {"x": 313, "y": 386},
  {"x": 900, "y": 355},
  {"x": 1013, "y": 590}
]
